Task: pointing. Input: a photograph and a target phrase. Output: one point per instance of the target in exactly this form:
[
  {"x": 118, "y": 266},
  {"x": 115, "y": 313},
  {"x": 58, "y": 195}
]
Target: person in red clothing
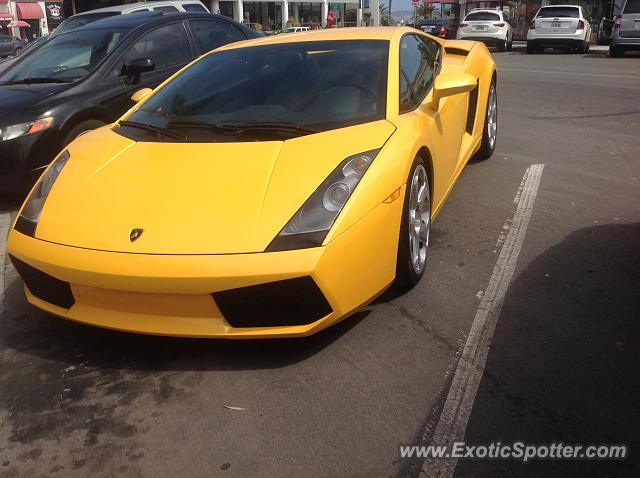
[{"x": 330, "y": 20}]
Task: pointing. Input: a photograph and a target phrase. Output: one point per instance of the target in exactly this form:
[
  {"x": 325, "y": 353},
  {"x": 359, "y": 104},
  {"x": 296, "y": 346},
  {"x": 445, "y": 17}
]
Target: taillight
[
  {"x": 580, "y": 25},
  {"x": 498, "y": 25},
  {"x": 616, "y": 25},
  {"x": 443, "y": 31},
  {"x": 532, "y": 25},
  {"x": 462, "y": 25}
]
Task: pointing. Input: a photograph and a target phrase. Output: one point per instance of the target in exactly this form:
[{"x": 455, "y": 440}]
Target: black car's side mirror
[{"x": 136, "y": 67}]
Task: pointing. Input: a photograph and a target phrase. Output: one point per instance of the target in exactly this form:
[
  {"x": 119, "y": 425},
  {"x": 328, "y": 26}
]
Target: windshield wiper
[
  {"x": 36, "y": 79},
  {"x": 240, "y": 128},
  {"x": 153, "y": 129}
]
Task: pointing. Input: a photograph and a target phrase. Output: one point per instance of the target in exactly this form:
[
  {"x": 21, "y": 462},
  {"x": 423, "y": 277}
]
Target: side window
[
  {"x": 166, "y": 46},
  {"x": 194, "y": 7},
  {"x": 165, "y": 8},
  {"x": 210, "y": 34},
  {"x": 418, "y": 67}
]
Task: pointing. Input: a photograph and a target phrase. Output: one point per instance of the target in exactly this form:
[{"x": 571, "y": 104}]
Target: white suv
[
  {"x": 491, "y": 27},
  {"x": 559, "y": 26}
]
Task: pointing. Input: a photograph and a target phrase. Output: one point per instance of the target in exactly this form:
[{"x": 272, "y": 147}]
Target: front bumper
[
  {"x": 184, "y": 295},
  {"x": 23, "y": 159}
]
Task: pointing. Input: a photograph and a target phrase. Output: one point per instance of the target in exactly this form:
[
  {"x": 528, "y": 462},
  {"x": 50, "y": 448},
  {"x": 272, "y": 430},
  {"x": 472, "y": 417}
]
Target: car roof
[
  {"x": 562, "y": 6},
  {"x": 133, "y": 21},
  {"x": 131, "y": 6},
  {"x": 484, "y": 10}
]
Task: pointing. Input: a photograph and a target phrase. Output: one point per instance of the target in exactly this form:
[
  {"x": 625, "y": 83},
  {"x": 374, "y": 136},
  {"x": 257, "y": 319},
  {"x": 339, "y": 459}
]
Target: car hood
[
  {"x": 196, "y": 198},
  {"x": 16, "y": 101}
]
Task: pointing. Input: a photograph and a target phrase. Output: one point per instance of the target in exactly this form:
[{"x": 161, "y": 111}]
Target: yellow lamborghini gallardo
[{"x": 270, "y": 188}]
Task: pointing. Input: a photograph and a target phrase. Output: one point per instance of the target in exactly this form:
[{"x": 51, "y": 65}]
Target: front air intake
[
  {"x": 282, "y": 303},
  {"x": 44, "y": 286}
]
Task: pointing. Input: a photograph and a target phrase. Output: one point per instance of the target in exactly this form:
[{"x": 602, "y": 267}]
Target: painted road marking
[{"x": 459, "y": 403}]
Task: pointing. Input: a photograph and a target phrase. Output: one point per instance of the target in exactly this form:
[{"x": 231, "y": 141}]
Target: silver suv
[{"x": 626, "y": 29}]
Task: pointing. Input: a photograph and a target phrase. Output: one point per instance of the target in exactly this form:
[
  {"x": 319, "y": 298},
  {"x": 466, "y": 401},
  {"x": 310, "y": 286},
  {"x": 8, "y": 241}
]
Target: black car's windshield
[
  {"x": 272, "y": 92},
  {"x": 78, "y": 21},
  {"x": 66, "y": 58}
]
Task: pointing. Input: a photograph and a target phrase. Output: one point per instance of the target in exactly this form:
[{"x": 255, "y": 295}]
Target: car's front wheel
[{"x": 415, "y": 226}]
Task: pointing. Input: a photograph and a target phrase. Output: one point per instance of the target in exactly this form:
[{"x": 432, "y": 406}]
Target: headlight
[
  {"x": 310, "y": 224},
  {"x": 23, "y": 129},
  {"x": 32, "y": 208}
]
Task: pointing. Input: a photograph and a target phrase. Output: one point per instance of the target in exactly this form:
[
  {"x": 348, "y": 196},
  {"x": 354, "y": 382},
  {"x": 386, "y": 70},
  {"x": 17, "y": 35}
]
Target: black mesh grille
[
  {"x": 44, "y": 286},
  {"x": 288, "y": 302},
  {"x": 471, "y": 112}
]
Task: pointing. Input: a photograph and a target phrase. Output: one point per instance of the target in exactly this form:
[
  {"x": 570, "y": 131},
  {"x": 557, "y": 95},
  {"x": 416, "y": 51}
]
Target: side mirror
[
  {"x": 140, "y": 95},
  {"x": 448, "y": 84},
  {"x": 136, "y": 67}
]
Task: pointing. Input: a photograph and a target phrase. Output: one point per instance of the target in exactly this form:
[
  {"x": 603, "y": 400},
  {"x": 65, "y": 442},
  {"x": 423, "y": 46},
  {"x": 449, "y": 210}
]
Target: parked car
[
  {"x": 169, "y": 6},
  {"x": 491, "y": 27},
  {"x": 438, "y": 27},
  {"x": 10, "y": 46},
  {"x": 83, "y": 79},
  {"x": 559, "y": 26},
  {"x": 626, "y": 29},
  {"x": 247, "y": 196},
  {"x": 32, "y": 45}
]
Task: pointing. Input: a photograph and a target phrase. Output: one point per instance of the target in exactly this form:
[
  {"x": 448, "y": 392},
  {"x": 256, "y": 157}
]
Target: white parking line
[
  {"x": 5, "y": 224},
  {"x": 457, "y": 408}
]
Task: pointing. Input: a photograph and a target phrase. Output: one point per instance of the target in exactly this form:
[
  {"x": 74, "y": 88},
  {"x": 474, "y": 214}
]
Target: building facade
[{"x": 30, "y": 19}]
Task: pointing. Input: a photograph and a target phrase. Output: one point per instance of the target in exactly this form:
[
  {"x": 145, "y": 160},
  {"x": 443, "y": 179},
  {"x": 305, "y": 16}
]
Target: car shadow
[
  {"x": 564, "y": 359},
  {"x": 28, "y": 330}
]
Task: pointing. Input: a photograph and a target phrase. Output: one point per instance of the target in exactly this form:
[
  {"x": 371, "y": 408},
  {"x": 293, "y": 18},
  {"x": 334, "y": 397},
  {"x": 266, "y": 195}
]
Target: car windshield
[
  {"x": 78, "y": 21},
  {"x": 482, "y": 17},
  {"x": 66, "y": 58},
  {"x": 271, "y": 92},
  {"x": 553, "y": 12}
]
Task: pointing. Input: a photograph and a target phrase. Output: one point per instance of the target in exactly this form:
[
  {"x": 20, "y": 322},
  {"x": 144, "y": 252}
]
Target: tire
[
  {"x": 510, "y": 45},
  {"x": 616, "y": 52},
  {"x": 531, "y": 49},
  {"x": 502, "y": 45},
  {"x": 413, "y": 244},
  {"x": 17, "y": 51},
  {"x": 490, "y": 129},
  {"x": 80, "y": 128}
]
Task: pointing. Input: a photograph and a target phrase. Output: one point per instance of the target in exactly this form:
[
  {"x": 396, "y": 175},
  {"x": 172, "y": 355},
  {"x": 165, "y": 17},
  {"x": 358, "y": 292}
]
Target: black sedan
[{"x": 84, "y": 79}]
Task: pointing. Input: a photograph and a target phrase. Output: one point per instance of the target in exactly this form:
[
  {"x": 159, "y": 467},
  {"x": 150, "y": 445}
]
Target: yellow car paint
[{"x": 162, "y": 283}]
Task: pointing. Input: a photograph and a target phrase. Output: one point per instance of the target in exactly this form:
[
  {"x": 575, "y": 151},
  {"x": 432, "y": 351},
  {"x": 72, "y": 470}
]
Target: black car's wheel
[
  {"x": 616, "y": 52},
  {"x": 413, "y": 243},
  {"x": 80, "y": 128},
  {"x": 531, "y": 49},
  {"x": 490, "y": 131}
]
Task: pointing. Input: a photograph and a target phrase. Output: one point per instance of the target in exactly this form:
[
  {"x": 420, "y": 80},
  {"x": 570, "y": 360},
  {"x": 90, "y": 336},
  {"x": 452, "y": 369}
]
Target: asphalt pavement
[{"x": 77, "y": 401}]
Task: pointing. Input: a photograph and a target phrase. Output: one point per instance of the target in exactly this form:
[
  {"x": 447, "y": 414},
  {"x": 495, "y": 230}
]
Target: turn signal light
[
  {"x": 532, "y": 25},
  {"x": 580, "y": 25},
  {"x": 498, "y": 25},
  {"x": 462, "y": 25},
  {"x": 443, "y": 31}
]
